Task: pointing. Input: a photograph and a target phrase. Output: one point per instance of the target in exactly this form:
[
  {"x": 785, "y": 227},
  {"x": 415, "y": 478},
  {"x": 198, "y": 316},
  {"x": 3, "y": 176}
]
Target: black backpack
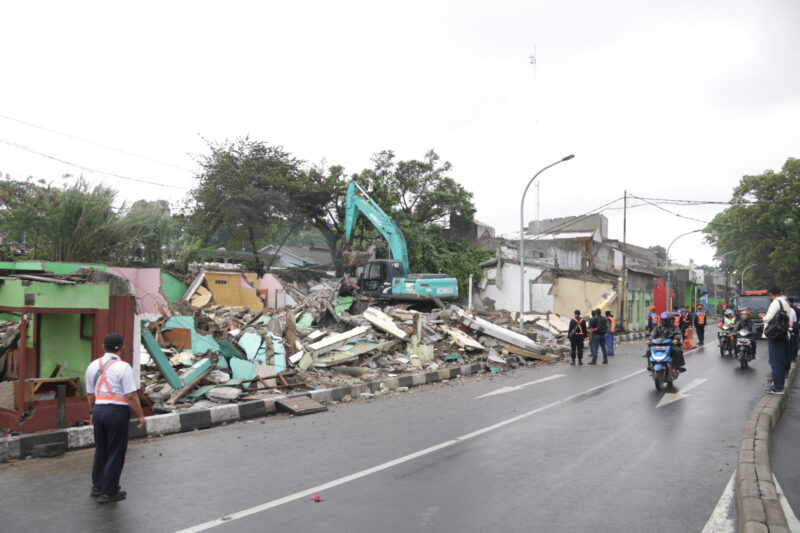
[
  {"x": 779, "y": 325},
  {"x": 602, "y": 325}
]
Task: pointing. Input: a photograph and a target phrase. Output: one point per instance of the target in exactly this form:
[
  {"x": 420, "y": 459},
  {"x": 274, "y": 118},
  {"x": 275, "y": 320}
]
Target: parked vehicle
[
  {"x": 661, "y": 363},
  {"x": 744, "y": 347},
  {"x": 756, "y": 302},
  {"x": 725, "y": 336}
]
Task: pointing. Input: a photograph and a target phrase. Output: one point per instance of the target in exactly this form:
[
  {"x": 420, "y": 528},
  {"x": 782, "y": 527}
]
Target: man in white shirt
[
  {"x": 778, "y": 347},
  {"x": 112, "y": 394}
]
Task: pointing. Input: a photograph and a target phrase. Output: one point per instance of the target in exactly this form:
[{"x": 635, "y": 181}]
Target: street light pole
[
  {"x": 522, "y": 239},
  {"x": 741, "y": 291},
  {"x": 669, "y": 299}
]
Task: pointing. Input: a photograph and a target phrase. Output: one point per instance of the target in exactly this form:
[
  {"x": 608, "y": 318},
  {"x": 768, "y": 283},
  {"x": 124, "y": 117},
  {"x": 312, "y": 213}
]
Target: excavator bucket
[{"x": 356, "y": 258}]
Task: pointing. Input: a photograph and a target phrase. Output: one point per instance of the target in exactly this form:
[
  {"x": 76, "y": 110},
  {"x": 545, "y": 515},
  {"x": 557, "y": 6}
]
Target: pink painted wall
[{"x": 147, "y": 284}]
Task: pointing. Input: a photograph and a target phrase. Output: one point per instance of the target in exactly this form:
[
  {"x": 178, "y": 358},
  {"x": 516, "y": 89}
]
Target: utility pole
[{"x": 624, "y": 289}]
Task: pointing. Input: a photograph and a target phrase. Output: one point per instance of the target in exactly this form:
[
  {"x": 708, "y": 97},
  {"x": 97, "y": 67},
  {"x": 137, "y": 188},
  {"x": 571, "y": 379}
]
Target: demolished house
[
  {"x": 570, "y": 263},
  {"x": 230, "y": 337},
  {"x": 55, "y": 324}
]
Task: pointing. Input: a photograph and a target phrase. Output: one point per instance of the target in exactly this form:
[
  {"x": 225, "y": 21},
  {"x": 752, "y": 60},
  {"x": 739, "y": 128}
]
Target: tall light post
[
  {"x": 743, "y": 271},
  {"x": 715, "y": 274},
  {"x": 522, "y": 240},
  {"x": 669, "y": 298}
]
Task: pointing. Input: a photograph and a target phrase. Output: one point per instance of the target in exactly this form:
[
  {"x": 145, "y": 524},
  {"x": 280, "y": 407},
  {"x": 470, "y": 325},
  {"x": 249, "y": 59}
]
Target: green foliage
[
  {"x": 242, "y": 196},
  {"x": 149, "y": 228},
  {"x": 766, "y": 233}
]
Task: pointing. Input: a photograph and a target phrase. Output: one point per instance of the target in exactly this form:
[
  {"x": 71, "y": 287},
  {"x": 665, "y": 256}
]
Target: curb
[
  {"x": 632, "y": 336},
  {"x": 757, "y": 504},
  {"x": 39, "y": 444}
]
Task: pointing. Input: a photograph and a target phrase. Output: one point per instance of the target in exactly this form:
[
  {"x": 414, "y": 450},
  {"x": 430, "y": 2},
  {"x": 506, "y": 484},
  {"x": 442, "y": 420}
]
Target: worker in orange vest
[
  {"x": 700, "y": 324},
  {"x": 652, "y": 319},
  {"x": 686, "y": 319},
  {"x": 610, "y": 336}
]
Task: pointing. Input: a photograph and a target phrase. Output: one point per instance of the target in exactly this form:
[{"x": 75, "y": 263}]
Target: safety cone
[{"x": 688, "y": 339}]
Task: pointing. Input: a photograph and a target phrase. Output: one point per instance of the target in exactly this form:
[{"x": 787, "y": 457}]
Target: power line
[
  {"x": 89, "y": 169},
  {"x": 708, "y": 223},
  {"x": 95, "y": 143}
]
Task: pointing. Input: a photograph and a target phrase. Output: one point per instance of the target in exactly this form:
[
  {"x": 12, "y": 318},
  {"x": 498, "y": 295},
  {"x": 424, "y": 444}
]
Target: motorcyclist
[
  {"x": 744, "y": 322},
  {"x": 667, "y": 329},
  {"x": 729, "y": 319}
]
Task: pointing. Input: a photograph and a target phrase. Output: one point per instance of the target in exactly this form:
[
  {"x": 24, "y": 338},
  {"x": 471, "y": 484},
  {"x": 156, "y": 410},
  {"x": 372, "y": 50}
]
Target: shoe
[
  {"x": 682, "y": 368},
  {"x": 775, "y": 391},
  {"x": 572, "y": 363},
  {"x": 105, "y": 498},
  {"x": 591, "y": 363},
  {"x": 580, "y": 363},
  {"x": 605, "y": 362},
  {"x": 95, "y": 492}
]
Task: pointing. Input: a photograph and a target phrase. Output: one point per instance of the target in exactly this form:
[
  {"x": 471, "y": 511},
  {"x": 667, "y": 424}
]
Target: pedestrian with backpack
[
  {"x": 599, "y": 327},
  {"x": 778, "y": 320}
]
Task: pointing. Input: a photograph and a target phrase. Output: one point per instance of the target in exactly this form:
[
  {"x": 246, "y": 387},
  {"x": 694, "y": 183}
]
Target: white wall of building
[{"x": 506, "y": 294}]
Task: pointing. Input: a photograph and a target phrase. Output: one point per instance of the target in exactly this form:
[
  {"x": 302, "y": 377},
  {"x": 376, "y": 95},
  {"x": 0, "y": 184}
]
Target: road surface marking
[
  {"x": 400, "y": 460},
  {"x": 504, "y": 390},
  {"x": 721, "y": 520},
  {"x": 791, "y": 519},
  {"x": 670, "y": 397}
]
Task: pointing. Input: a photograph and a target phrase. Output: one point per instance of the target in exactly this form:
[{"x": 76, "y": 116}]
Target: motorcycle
[
  {"x": 744, "y": 347},
  {"x": 661, "y": 363},
  {"x": 725, "y": 336}
]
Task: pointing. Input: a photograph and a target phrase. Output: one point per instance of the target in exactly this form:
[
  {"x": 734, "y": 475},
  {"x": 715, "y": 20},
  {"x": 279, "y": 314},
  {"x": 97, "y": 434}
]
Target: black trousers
[
  {"x": 701, "y": 333},
  {"x": 576, "y": 347},
  {"x": 110, "y": 444}
]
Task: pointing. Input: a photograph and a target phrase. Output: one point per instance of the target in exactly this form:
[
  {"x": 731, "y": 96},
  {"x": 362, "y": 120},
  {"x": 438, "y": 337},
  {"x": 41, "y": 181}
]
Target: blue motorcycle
[{"x": 661, "y": 363}]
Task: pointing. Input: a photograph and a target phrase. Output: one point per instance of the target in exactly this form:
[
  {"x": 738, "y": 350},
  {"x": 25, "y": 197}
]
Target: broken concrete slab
[
  {"x": 384, "y": 322},
  {"x": 462, "y": 339},
  {"x": 224, "y": 394},
  {"x": 253, "y": 345},
  {"x": 335, "y": 341},
  {"x": 300, "y": 405},
  {"x": 242, "y": 369},
  {"x": 498, "y": 332}
]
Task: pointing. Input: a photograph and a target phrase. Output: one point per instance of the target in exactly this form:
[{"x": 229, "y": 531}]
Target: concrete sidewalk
[
  {"x": 765, "y": 471},
  {"x": 786, "y": 454}
]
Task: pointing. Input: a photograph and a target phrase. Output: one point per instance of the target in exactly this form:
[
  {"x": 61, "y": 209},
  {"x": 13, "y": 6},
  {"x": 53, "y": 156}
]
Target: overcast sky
[{"x": 674, "y": 99}]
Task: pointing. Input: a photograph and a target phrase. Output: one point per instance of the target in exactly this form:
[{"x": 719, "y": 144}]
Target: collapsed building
[{"x": 228, "y": 336}]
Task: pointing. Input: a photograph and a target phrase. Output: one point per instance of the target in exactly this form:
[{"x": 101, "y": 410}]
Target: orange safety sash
[
  {"x": 701, "y": 319},
  {"x": 111, "y": 396},
  {"x": 677, "y": 320},
  {"x": 578, "y": 328}
]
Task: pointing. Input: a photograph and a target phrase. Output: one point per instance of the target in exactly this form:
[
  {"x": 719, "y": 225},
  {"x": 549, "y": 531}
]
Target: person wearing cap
[
  {"x": 576, "y": 334},
  {"x": 112, "y": 395},
  {"x": 700, "y": 324},
  {"x": 599, "y": 327}
]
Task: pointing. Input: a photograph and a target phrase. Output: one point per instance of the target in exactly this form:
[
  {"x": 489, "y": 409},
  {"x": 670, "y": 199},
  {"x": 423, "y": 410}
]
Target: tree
[
  {"x": 242, "y": 194},
  {"x": 149, "y": 228},
  {"x": 762, "y": 227}
]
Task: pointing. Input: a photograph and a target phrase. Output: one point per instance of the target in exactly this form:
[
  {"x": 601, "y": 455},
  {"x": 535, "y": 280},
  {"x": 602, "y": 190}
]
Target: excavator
[{"x": 388, "y": 279}]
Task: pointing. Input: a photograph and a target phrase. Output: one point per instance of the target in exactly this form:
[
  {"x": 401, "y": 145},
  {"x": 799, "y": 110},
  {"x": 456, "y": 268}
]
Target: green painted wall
[
  {"x": 172, "y": 287},
  {"x": 56, "y": 268},
  {"x": 70, "y": 268},
  {"x": 60, "y": 343},
  {"x": 52, "y": 296}
]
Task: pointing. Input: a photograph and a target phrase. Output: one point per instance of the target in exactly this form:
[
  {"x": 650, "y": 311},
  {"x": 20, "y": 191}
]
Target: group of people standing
[
  {"x": 782, "y": 348},
  {"x": 599, "y": 329}
]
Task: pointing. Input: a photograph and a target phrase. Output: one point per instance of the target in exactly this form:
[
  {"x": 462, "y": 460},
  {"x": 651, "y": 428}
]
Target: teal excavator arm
[{"x": 379, "y": 219}]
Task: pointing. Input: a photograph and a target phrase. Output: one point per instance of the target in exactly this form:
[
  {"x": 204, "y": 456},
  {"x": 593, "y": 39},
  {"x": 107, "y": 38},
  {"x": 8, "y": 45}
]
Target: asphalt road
[{"x": 559, "y": 448}]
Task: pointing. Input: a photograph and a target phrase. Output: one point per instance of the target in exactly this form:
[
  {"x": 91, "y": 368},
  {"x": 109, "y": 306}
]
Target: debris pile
[{"x": 201, "y": 351}]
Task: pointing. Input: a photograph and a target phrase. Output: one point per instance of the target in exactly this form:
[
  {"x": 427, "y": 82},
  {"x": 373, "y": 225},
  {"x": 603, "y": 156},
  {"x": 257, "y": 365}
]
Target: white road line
[
  {"x": 791, "y": 519},
  {"x": 363, "y": 473},
  {"x": 670, "y": 397},
  {"x": 721, "y": 520},
  {"x": 504, "y": 390}
]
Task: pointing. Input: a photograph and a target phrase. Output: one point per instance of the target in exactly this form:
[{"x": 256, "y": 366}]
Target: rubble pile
[{"x": 202, "y": 352}]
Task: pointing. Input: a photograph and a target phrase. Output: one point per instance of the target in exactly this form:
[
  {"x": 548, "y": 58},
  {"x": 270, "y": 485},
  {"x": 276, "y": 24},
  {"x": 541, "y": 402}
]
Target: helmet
[
  {"x": 666, "y": 315},
  {"x": 729, "y": 312},
  {"x": 699, "y": 306},
  {"x": 745, "y": 314},
  {"x": 652, "y": 307}
]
